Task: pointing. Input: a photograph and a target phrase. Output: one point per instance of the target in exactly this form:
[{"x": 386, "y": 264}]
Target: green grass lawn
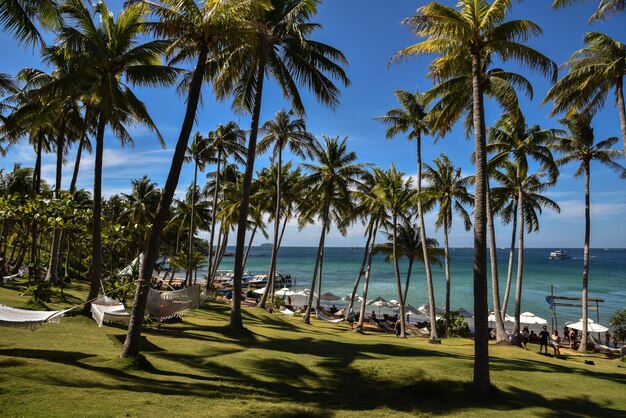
[{"x": 282, "y": 368}]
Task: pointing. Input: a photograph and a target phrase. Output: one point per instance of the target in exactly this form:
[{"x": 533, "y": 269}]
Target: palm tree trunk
[
  {"x": 318, "y": 303},
  {"x": 245, "y": 258},
  {"x": 191, "y": 225},
  {"x": 361, "y": 270},
  {"x": 282, "y": 231},
  {"x": 131, "y": 344},
  {"x": 509, "y": 275},
  {"x": 366, "y": 282},
  {"x": 408, "y": 280},
  {"x": 495, "y": 281},
  {"x": 396, "y": 267},
  {"x": 33, "y": 271},
  {"x": 583, "y": 340},
  {"x": 214, "y": 216},
  {"x": 429, "y": 275},
  {"x": 221, "y": 251},
  {"x": 216, "y": 264},
  {"x": 520, "y": 264},
  {"x": 269, "y": 289},
  {"x": 446, "y": 250},
  {"x": 96, "y": 239},
  {"x": 55, "y": 251},
  {"x": 235, "y": 313},
  {"x": 619, "y": 93},
  {"x": 481, "y": 381},
  {"x": 306, "y": 318}
]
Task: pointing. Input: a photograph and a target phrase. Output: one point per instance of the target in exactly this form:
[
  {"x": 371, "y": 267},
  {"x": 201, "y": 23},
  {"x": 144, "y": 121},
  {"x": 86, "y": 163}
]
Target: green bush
[{"x": 452, "y": 325}]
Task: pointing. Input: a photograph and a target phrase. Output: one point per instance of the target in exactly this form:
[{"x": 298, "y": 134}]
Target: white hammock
[
  {"x": 166, "y": 305},
  {"x": 320, "y": 315},
  {"x": 7, "y": 279},
  {"x": 108, "y": 310},
  {"x": 23, "y": 318}
]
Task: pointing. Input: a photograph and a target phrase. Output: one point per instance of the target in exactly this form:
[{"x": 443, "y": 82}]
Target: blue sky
[{"x": 369, "y": 33}]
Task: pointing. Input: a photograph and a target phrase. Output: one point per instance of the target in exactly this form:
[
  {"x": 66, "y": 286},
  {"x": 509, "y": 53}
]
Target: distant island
[{"x": 267, "y": 244}]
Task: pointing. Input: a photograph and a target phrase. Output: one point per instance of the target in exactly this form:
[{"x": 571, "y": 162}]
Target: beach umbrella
[
  {"x": 356, "y": 297},
  {"x": 591, "y": 326},
  {"x": 464, "y": 313},
  {"x": 507, "y": 318},
  {"x": 530, "y": 318},
  {"x": 285, "y": 291},
  {"x": 415, "y": 313},
  {"x": 379, "y": 302},
  {"x": 425, "y": 309},
  {"x": 394, "y": 302},
  {"x": 329, "y": 296},
  {"x": 304, "y": 292}
]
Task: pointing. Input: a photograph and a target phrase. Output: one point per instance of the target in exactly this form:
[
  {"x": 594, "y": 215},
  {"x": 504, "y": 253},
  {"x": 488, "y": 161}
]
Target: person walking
[{"x": 543, "y": 339}]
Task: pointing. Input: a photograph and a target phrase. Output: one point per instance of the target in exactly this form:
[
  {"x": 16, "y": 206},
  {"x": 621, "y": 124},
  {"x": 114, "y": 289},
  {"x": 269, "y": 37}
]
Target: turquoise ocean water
[{"x": 607, "y": 277}]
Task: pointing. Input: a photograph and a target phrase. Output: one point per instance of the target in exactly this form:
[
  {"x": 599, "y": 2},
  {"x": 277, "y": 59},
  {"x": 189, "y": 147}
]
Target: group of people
[{"x": 555, "y": 341}]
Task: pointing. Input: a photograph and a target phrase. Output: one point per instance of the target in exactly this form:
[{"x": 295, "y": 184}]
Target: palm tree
[
  {"x": 282, "y": 132},
  {"x": 580, "y": 146},
  {"x": 396, "y": 195},
  {"x": 409, "y": 245},
  {"x": 141, "y": 205},
  {"x": 196, "y": 30},
  {"x": 277, "y": 46},
  {"x": 226, "y": 141},
  {"x": 527, "y": 188},
  {"x": 198, "y": 152},
  {"x": 605, "y": 7},
  {"x": 23, "y": 18},
  {"x": 512, "y": 138},
  {"x": 448, "y": 188},
  {"x": 594, "y": 71},
  {"x": 329, "y": 183},
  {"x": 411, "y": 118},
  {"x": 466, "y": 40},
  {"x": 105, "y": 57}
]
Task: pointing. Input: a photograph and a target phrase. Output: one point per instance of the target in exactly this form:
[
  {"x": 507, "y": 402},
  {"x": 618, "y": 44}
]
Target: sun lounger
[
  {"x": 609, "y": 352},
  {"x": 287, "y": 312}
]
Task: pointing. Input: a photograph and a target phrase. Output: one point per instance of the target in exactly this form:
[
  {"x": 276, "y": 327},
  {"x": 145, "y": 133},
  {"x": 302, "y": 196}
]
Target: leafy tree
[
  {"x": 580, "y": 147},
  {"x": 594, "y": 71},
  {"x": 21, "y": 18},
  {"x": 617, "y": 321},
  {"x": 604, "y": 10},
  {"x": 278, "y": 46},
  {"x": 466, "y": 40},
  {"x": 282, "y": 132}
]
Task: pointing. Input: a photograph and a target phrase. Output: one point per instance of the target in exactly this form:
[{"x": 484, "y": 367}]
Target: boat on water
[
  {"x": 559, "y": 255},
  {"x": 260, "y": 280}
]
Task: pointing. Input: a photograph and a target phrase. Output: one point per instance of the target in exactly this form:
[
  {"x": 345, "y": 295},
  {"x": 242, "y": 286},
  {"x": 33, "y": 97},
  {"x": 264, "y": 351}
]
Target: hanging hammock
[
  {"x": 7, "y": 279},
  {"x": 174, "y": 304},
  {"x": 23, "y": 318},
  {"x": 107, "y": 310}
]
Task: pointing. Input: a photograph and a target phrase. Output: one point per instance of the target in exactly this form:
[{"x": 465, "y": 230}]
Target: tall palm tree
[
  {"x": 448, "y": 188},
  {"x": 24, "y": 18},
  {"x": 396, "y": 195},
  {"x": 580, "y": 147},
  {"x": 466, "y": 40},
  {"x": 282, "y": 132},
  {"x": 604, "y": 10},
  {"x": 411, "y": 118},
  {"x": 226, "y": 141},
  {"x": 198, "y": 152},
  {"x": 527, "y": 188},
  {"x": 409, "y": 245},
  {"x": 196, "y": 31},
  {"x": 330, "y": 182},
  {"x": 107, "y": 55},
  {"x": 594, "y": 71},
  {"x": 278, "y": 46},
  {"x": 512, "y": 138}
]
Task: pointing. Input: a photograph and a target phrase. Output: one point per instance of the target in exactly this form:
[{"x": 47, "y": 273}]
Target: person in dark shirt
[{"x": 543, "y": 339}]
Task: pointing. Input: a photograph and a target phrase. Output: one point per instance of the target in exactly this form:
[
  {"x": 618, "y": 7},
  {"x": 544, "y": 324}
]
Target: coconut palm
[
  {"x": 282, "y": 132},
  {"x": 397, "y": 196},
  {"x": 448, "y": 188},
  {"x": 196, "y": 31},
  {"x": 411, "y": 118},
  {"x": 329, "y": 184},
  {"x": 409, "y": 245},
  {"x": 594, "y": 71},
  {"x": 226, "y": 141},
  {"x": 512, "y": 138},
  {"x": 604, "y": 10},
  {"x": 279, "y": 47},
  {"x": 24, "y": 18},
  {"x": 467, "y": 39},
  {"x": 106, "y": 57},
  {"x": 580, "y": 147},
  {"x": 527, "y": 188},
  {"x": 140, "y": 207}
]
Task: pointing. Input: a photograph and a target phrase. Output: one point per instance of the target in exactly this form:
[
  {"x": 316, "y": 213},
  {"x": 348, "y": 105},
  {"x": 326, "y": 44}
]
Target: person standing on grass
[
  {"x": 556, "y": 341},
  {"x": 543, "y": 339}
]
